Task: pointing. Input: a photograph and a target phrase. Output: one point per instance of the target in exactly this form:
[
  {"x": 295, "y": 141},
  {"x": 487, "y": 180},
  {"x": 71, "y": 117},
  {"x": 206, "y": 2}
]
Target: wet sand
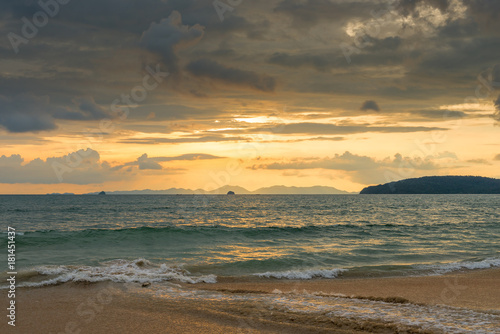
[
  {"x": 104, "y": 308},
  {"x": 477, "y": 289},
  {"x": 109, "y": 308}
]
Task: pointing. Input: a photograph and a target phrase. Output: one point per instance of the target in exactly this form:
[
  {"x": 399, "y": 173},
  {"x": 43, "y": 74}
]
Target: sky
[{"x": 149, "y": 94}]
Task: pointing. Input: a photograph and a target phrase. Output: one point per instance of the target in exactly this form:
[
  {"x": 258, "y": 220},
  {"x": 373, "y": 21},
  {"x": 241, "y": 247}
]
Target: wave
[
  {"x": 443, "y": 268},
  {"x": 303, "y": 274},
  {"x": 205, "y": 229},
  {"x": 197, "y": 232},
  {"x": 231, "y": 228},
  {"x": 119, "y": 271}
]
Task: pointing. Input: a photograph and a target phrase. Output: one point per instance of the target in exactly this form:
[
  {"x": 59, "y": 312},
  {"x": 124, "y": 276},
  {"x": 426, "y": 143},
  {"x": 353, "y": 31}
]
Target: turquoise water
[{"x": 200, "y": 238}]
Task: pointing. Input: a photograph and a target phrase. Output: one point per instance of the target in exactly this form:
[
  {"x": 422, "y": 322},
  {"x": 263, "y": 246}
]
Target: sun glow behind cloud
[{"x": 269, "y": 85}]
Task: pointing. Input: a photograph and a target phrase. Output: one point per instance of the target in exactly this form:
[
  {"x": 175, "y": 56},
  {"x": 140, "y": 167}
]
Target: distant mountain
[
  {"x": 275, "y": 190},
  {"x": 438, "y": 185},
  {"x": 60, "y": 194},
  {"x": 316, "y": 190}
]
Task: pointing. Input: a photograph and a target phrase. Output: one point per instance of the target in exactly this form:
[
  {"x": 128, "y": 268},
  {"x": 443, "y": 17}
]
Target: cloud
[
  {"x": 174, "y": 112},
  {"x": 331, "y": 129},
  {"x": 379, "y": 51},
  {"x": 80, "y": 167},
  {"x": 370, "y": 105},
  {"x": 439, "y": 114},
  {"x": 194, "y": 139},
  {"x": 346, "y": 162},
  {"x": 365, "y": 169},
  {"x": 232, "y": 76},
  {"x": 32, "y": 113},
  {"x": 486, "y": 13},
  {"x": 320, "y": 62},
  {"x": 479, "y": 161},
  {"x": 352, "y": 162},
  {"x": 410, "y": 7},
  {"x": 497, "y": 157},
  {"x": 26, "y": 113},
  {"x": 496, "y": 115},
  {"x": 308, "y": 13},
  {"x": 86, "y": 109},
  {"x": 144, "y": 162},
  {"x": 168, "y": 36}
]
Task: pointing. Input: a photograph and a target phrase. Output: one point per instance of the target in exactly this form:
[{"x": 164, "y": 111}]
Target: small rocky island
[
  {"x": 102, "y": 193},
  {"x": 230, "y": 192},
  {"x": 438, "y": 185}
]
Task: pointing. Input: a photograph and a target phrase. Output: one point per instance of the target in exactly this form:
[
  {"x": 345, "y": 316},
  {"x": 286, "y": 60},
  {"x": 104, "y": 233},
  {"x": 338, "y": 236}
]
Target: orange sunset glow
[{"x": 378, "y": 92}]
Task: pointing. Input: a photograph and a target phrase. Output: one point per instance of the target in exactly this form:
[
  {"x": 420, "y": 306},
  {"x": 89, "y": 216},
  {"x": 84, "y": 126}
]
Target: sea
[{"x": 202, "y": 239}]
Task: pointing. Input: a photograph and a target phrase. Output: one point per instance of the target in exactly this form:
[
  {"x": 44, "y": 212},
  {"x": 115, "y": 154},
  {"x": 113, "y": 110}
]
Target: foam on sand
[{"x": 303, "y": 274}]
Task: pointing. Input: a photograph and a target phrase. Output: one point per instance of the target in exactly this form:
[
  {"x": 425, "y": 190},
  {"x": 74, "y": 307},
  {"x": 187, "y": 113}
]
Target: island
[
  {"x": 230, "y": 192},
  {"x": 102, "y": 193},
  {"x": 438, "y": 185}
]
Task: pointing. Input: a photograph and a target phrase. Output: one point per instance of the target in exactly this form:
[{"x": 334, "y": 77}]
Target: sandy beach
[
  {"x": 477, "y": 289},
  {"x": 109, "y": 308}
]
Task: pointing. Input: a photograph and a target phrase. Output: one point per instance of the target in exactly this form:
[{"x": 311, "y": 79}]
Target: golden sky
[{"x": 199, "y": 94}]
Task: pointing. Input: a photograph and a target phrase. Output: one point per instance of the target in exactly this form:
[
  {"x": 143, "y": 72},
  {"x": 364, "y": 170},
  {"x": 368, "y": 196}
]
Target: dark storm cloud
[
  {"x": 381, "y": 51},
  {"x": 210, "y": 69},
  {"x": 29, "y": 113},
  {"x": 320, "y": 62},
  {"x": 86, "y": 109},
  {"x": 486, "y": 13},
  {"x": 306, "y": 14},
  {"x": 96, "y": 49},
  {"x": 384, "y": 44},
  {"x": 370, "y": 105},
  {"x": 25, "y": 113},
  {"x": 93, "y": 51},
  {"x": 169, "y": 35}
]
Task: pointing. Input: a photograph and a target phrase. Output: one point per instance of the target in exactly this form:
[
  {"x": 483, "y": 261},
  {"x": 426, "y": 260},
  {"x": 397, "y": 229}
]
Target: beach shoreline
[
  {"x": 107, "y": 307},
  {"x": 474, "y": 289}
]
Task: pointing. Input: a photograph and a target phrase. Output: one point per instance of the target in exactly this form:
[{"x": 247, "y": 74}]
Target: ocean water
[
  {"x": 166, "y": 240},
  {"x": 196, "y": 238}
]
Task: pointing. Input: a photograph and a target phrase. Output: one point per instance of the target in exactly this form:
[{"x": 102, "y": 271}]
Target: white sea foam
[
  {"x": 435, "y": 318},
  {"x": 454, "y": 266},
  {"x": 303, "y": 274},
  {"x": 120, "y": 271}
]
